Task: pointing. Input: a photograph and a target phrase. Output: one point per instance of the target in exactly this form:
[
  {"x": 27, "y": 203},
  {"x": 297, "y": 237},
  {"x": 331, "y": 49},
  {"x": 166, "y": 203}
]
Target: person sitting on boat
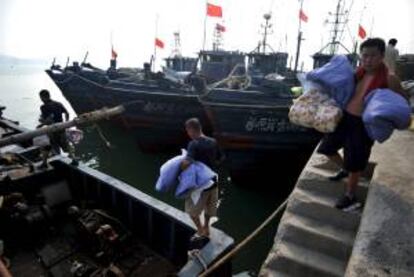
[
  {"x": 351, "y": 134},
  {"x": 52, "y": 112},
  {"x": 203, "y": 149}
]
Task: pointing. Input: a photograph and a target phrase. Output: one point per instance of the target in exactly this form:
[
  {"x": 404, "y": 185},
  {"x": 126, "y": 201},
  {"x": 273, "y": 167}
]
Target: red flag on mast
[
  {"x": 113, "y": 53},
  {"x": 214, "y": 10},
  {"x": 220, "y": 28},
  {"x": 361, "y": 32},
  {"x": 303, "y": 16},
  {"x": 159, "y": 43}
]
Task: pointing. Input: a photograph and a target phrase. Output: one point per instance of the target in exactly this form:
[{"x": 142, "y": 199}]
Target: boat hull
[
  {"x": 257, "y": 139},
  {"x": 155, "y": 115}
]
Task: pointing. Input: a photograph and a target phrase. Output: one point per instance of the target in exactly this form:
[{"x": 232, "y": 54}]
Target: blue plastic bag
[
  {"x": 169, "y": 172},
  {"x": 385, "y": 111},
  {"x": 337, "y": 77},
  {"x": 197, "y": 175}
]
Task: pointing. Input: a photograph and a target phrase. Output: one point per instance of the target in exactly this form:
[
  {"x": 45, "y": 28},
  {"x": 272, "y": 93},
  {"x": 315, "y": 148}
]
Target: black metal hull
[
  {"x": 259, "y": 138},
  {"x": 155, "y": 114}
]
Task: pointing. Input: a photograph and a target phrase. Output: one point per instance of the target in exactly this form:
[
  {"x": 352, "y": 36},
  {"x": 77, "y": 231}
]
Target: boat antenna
[
  {"x": 217, "y": 38},
  {"x": 339, "y": 22},
  {"x": 154, "y": 57},
  {"x": 336, "y": 26},
  {"x": 353, "y": 39},
  {"x": 176, "y": 52},
  {"x": 299, "y": 40},
  {"x": 205, "y": 26},
  {"x": 372, "y": 26},
  {"x": 266, "y": 30},
  {"x": 85, "y": 57},
  {"x": 54, "y": 61},
  {"x": 67, "y": 62}
]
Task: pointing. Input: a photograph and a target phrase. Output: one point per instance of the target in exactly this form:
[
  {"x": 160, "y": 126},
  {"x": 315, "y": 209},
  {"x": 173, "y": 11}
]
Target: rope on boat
[
  {"x": 196, "y": 255},
  {"x": 101, "y": 136},
  {"x": 236, "y": 249},
  {"x": 231, "y": 78}
]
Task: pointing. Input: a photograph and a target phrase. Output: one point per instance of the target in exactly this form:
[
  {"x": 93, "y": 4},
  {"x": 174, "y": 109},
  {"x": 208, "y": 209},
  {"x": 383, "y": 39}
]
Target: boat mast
[
  {"x": 218, "y": 38},
  {"x": 299, "y": 40},
  {"x": 339, "y": 22},
  {"x": 177, "y": 45},
  {"x": 267, "y": 28},
  {"x": 205, "y": 27},
  {"x": 154, "y": 57},
  {"x": 336, "y": 27}
]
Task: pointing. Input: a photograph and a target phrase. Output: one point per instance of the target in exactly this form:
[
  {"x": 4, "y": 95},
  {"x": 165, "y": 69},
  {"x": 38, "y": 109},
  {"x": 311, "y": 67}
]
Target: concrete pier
[
  {"x": 385, "y": 242},
  {"x": 315, "y": 239}
]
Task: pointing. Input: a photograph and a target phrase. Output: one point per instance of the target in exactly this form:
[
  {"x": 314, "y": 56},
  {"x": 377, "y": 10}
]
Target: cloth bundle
[
  {"x": 384, "y": 112},
  {"x": 315, "y": 109},
  {"x": 326, "y": 91},
  {"x": 195, "y": 178}
]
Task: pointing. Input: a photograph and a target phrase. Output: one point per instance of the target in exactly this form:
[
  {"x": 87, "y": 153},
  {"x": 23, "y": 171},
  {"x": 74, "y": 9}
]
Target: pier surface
[{"x": 315, "y": 239}]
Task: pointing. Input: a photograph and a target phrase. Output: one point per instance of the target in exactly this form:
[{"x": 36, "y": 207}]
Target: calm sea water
[{"x": 241, "y": 210}]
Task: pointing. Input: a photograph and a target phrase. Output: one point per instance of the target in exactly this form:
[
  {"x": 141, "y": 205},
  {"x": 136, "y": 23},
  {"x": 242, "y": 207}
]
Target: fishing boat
[
  {"x": 156, "y": 107},
  {"x": 76, "y": 221},
  {"x": 250, "y": 119}
]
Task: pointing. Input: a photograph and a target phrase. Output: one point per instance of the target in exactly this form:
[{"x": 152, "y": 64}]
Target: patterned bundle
[{"x": 315, "y": 110}]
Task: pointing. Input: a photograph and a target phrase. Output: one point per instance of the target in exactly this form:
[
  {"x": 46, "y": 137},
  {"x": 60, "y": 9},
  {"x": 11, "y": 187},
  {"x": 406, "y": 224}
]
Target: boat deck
[{"x": 59, "y": 246}]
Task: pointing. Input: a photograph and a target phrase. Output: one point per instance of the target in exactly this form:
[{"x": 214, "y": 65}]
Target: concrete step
[
  {"x": 298, "y": 261},
  {"x": 319, "y": 162},
  {"x": 318, "y": 236},
  {"x": 320, "y": 184},
  {"x": 321, "y": 207}
]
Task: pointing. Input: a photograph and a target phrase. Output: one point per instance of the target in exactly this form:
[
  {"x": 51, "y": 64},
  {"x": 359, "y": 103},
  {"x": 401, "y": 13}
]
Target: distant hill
[{"x": 10, "y": 60}]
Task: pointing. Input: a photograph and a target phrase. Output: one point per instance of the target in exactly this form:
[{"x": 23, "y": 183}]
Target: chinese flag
[
  {"x": 220, "y": 28},
  {"x": 159, "y": 43},
  {"x": 213, "y": 10},
  {"x": 113, "y": 53},
  {"x": 361, "y": 32},
  {"x": 303, "y": 16}
]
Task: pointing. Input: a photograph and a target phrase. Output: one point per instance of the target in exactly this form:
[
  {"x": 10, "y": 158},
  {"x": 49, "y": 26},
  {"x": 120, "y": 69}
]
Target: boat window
[{"x": 216, "y": 58}]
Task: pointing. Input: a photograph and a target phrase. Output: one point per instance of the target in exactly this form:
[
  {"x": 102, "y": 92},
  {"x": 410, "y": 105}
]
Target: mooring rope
[{"x": 239, "y": 246}]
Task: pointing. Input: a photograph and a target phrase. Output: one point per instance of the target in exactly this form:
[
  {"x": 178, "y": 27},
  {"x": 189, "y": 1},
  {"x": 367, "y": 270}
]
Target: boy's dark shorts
[{"x": 352, "y": 136}]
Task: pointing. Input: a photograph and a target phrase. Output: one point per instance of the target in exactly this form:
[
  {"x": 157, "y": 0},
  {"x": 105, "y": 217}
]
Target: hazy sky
[{"x": 61, "y": 28}]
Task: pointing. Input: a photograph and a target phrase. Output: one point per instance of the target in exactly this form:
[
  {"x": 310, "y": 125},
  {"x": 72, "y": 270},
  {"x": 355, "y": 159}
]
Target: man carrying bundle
[
  {"x": 351, "y": 134},
  {"x": 202, "y": 149}
]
